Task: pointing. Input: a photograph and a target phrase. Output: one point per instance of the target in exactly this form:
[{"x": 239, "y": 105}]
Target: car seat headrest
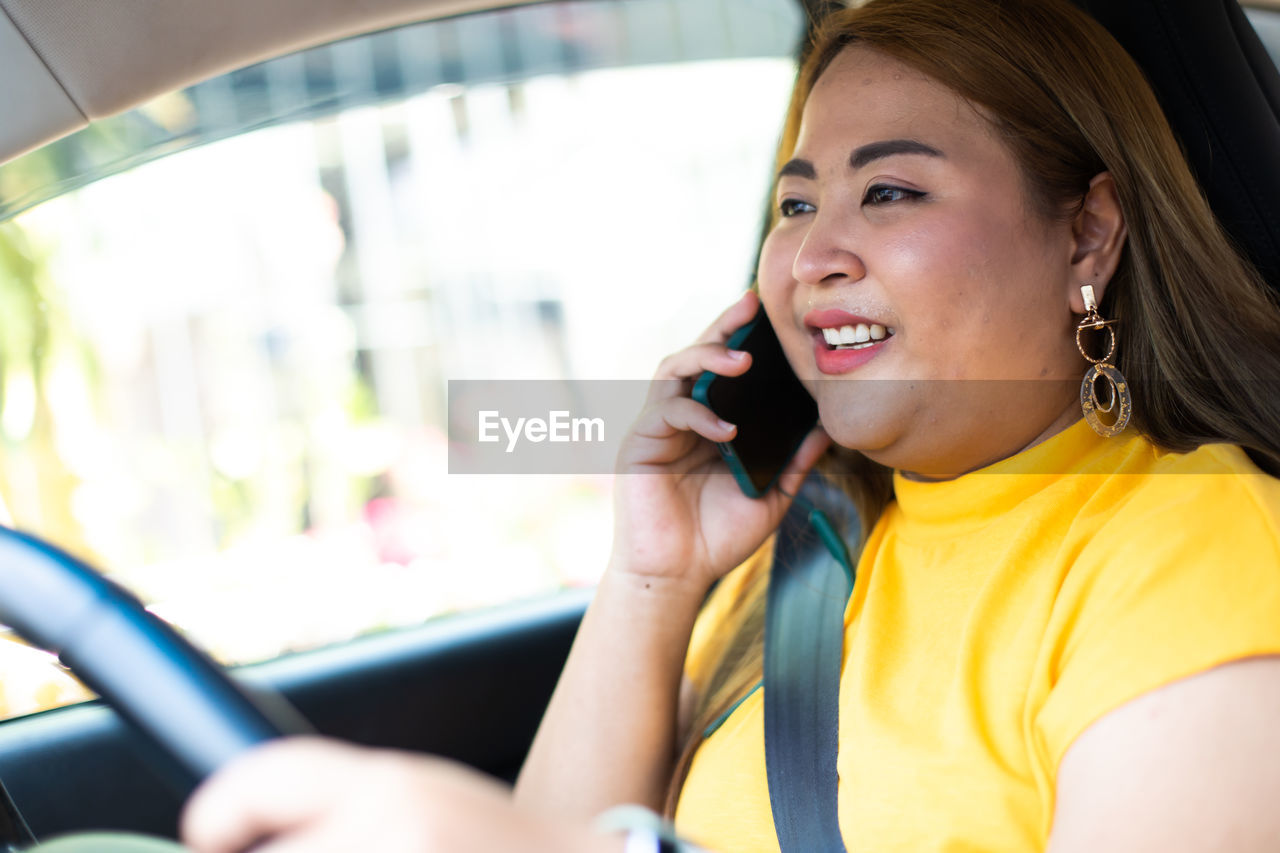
[{"x": 1221, "y": 92}]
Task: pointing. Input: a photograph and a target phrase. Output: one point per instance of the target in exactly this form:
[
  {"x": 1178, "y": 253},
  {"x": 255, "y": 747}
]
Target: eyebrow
[
  {"x": 863, "y": 156},
  {"x": 878, "y": 150}
]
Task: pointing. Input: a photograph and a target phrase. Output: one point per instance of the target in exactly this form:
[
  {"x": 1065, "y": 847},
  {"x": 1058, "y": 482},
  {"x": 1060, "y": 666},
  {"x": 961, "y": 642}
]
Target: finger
[
  {"x": 692, "y": 360},
  {"x": 681, "y": 414},
  {"x": 268, "y": 791},
  {"x": 733, "y": 318},
  {"x": 668, "y": 432},
  {"x": 688, "y": 452},
  {"x": 319, "y": 840},
  {"x": 806, "y": 456}
]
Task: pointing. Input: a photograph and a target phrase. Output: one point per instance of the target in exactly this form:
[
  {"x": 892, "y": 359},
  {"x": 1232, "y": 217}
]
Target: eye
[
  {"x": 789, "y": 207},
  {"x": 886, "y": 194}
]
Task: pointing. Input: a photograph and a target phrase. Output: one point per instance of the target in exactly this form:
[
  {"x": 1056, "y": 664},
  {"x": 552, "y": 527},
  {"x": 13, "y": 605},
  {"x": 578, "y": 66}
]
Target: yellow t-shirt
[{"x": 994, "y": 618}]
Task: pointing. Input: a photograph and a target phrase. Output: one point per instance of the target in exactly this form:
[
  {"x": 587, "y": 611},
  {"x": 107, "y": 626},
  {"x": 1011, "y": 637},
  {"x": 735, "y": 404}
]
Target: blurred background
[{"x": 228, "y": 319}]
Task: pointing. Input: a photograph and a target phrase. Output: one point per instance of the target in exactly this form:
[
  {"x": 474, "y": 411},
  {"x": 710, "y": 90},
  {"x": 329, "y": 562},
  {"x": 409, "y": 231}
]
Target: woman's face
[{"x": 902, "y": 212}]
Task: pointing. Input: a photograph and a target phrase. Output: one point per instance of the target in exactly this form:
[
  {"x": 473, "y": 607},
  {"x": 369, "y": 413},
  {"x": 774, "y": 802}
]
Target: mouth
[
  {"x": 855, "y": 336},
  {"x": 843, "y": 341}
]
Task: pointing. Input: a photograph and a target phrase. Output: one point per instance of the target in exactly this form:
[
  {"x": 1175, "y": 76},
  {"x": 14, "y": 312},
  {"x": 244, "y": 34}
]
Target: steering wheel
[{"x": 173, "y": 693}]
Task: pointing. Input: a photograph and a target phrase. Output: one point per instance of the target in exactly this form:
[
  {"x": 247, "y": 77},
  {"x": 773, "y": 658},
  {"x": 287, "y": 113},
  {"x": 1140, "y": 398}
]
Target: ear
[{"x": 1098, "y": 233}]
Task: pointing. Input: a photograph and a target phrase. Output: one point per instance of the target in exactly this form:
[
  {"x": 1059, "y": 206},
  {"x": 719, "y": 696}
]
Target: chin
[
  {"x": 858, "y": 425},
  {"x": 889, "y": 427}
]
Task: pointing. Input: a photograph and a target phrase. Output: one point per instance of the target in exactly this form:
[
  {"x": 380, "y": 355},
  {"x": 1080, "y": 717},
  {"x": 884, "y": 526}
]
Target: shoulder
[
  {"x": 1175, "y": 571},
  {"x": 1190, "y": 766},
  {"x": 1196, "y": 509},
  {"x": 1210, "y": 480}
]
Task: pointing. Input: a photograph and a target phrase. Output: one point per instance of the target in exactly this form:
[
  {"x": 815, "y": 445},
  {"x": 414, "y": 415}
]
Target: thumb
[
  {"x": 806, "y": 456},
  {"x": 274, "y": 789}
]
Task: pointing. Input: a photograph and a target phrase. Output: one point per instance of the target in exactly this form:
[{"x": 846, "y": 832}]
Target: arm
[
  {"x": 316, "y": 794},
  {"x": 609, "y": 734},
  {"x": 1193, "y": 766}
]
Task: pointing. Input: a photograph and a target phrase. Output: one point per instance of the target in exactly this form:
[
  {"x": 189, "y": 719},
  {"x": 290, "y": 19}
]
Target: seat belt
[{"x": 809, "y": 586}]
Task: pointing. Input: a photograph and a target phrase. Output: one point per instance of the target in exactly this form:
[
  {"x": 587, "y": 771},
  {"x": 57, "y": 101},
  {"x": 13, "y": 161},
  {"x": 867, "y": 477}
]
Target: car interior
[{"x": 87, "y": 99}]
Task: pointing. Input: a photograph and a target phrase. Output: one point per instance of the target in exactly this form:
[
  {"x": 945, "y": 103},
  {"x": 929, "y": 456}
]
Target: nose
[{"x": 827, "y": 254}]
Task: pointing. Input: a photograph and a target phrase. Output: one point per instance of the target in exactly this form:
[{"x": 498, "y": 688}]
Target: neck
[{"x": 1065, "y": 418}]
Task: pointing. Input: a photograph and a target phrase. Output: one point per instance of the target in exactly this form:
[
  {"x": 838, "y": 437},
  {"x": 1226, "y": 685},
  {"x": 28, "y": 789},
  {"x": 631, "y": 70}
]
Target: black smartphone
[{"x": 772, "y": 410}]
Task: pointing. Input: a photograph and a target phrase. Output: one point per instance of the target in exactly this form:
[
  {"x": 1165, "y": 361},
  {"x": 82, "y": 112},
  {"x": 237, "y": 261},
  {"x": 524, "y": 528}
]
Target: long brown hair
[{"x": 1200, "y": 328}]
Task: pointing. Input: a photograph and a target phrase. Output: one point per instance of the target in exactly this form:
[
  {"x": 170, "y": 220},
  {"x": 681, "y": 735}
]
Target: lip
[
  {"x": 829, "y": 317},
  {"x": 837, "y": 361}
]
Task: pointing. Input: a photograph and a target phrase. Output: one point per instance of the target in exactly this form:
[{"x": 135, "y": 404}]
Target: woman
[{"x": 1082, "y": 655}]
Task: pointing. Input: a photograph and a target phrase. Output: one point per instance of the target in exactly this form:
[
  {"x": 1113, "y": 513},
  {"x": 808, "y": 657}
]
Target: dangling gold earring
[{"x": 1117, "y": 398}]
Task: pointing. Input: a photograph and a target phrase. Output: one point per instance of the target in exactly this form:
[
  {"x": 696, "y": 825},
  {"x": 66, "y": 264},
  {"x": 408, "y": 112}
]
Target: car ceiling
[{"x": 64, "y": 63}]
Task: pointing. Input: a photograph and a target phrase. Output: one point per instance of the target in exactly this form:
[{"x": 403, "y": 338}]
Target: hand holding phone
[
  {"x": 770, "y": 407},
  {"x": 673, "y": 519}
]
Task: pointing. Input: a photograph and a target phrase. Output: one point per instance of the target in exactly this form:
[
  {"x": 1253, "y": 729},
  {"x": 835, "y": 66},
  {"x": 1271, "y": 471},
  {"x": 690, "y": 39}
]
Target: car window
[
  {"x": 230, "y": 316},
  {"x": 1267, "y": 24}
]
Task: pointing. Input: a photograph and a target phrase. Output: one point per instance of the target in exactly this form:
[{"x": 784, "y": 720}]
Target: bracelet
[
  {"x": 645, "y": 831},
  {"x": 648, "y": 841}
]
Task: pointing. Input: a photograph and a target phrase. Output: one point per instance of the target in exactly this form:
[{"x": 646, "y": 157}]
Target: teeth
[{"x": 855, "y": 337}]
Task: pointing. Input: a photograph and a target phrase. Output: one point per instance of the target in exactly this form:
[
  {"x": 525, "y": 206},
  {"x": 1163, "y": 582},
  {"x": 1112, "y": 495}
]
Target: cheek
[
  {"x": 777, "y": 258},
  {"x": 773, "y": 277},
  {"x": 963, "y": 272},
  {"x": 977, "y": 298},
  {"x": 941, "y": 269},
  {"x": 777, "y": 290}
]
